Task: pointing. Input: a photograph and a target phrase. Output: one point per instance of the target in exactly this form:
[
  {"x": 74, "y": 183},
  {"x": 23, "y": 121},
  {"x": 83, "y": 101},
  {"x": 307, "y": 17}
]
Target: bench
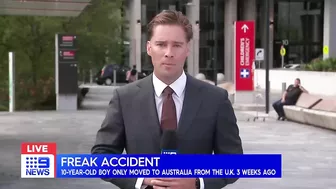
[
  {"x": 313, "y": 110},
  {"x": 228, "y": 86}
]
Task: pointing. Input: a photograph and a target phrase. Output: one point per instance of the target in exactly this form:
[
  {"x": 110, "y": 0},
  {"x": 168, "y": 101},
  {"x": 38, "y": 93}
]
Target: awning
[{"x": 67, "y": 8}]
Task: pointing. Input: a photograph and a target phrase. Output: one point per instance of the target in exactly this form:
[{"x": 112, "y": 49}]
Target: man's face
[
  {"x": 168, "y": 49},
  {"x": 296, "y": 82}
]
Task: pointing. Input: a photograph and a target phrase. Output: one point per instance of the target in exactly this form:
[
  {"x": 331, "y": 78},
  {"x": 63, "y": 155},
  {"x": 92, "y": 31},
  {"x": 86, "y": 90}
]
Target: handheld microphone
[{"x": 169, "y": 142}]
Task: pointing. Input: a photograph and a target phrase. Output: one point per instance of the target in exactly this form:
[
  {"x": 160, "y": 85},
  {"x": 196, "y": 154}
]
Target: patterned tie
[{"x": 168, "y": 117}]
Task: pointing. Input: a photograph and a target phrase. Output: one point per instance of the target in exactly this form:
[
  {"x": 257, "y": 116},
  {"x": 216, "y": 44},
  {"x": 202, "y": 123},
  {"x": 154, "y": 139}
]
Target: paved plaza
[{"x": 309, "y": 153}]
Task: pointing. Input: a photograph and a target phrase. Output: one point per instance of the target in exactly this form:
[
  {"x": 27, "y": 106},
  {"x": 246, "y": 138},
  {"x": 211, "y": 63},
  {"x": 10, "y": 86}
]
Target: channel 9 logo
[
  {"x": 37, "y": 165},
  {"x": 37, "y": 160}
]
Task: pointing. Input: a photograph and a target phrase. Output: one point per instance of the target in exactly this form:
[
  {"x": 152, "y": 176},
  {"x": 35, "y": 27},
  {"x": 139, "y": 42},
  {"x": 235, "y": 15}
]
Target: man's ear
[{"x": 149, "y": 48}]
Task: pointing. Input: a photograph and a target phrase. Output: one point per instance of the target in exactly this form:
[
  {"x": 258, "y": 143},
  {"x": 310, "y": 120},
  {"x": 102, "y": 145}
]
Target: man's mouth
[{"x": 168, "y": 64}]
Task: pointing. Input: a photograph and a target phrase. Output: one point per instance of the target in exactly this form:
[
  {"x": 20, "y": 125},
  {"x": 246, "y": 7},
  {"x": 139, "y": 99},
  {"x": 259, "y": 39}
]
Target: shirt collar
[{"x": 178, "y": 86}]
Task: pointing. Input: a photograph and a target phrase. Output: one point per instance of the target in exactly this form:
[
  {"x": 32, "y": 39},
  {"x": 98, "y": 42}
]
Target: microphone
[{"x": 169, "y": 142}]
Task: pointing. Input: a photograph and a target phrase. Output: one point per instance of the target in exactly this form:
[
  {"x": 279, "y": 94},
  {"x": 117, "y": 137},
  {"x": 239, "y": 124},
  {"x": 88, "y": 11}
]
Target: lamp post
[{"x": 266, "y": 45}]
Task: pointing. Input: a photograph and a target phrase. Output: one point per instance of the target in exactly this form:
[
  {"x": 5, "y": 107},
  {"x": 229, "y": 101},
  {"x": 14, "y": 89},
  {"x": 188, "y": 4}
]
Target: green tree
[
  {"x": 100, "y": 29},
  {"x": 32, "y": 38}
]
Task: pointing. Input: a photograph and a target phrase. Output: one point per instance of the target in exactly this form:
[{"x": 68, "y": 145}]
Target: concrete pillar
[
  {"x": 230, "y": 16},
  {"x": 193, "y": 58},
  {"x": 135, "y": 33},
  {"x": 147, "y": 63},
  {"x": 329, "y": 28},
  {"x": 250, "y": 10},
  {"x": 129, "y": 15},
  {"x": 271, "y": 33},
  {"x": 250, "y": 13}
]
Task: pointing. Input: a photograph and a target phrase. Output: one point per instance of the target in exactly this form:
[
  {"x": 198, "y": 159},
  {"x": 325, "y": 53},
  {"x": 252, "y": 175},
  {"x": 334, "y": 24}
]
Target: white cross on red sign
[{"x": 244, "y": 55}]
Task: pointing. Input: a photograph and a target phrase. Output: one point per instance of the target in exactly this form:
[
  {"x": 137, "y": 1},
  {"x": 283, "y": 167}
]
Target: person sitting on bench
[{"x": 289, "y": 97}]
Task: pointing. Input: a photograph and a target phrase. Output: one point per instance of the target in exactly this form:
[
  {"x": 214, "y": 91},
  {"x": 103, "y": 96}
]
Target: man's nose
[{"x": 169, "y": 53}]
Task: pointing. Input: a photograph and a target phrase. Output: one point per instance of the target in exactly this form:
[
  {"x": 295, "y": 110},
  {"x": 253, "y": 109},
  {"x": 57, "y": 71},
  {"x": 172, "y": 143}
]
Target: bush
[
  {"x": 39, "y": 96},
  {"x": 4, "y": 95},
  {"x": 30, "y": 96},
  {"x": 4, "y": 107},
  {"x": 327, "y": 65}
]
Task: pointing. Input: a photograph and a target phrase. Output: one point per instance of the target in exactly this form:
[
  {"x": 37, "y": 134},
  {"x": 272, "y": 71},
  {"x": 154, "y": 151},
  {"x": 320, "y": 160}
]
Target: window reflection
[
  {"x": 301, "y": 24},
  {"x": 296, "y": 24},
  {"x": 282, "y": 20},
  {"x": 206, "y": 51}
]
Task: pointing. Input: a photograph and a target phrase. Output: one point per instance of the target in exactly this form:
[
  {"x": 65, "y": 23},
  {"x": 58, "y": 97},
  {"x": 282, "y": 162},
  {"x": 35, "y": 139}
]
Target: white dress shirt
[{"x": 178, "y": 96}]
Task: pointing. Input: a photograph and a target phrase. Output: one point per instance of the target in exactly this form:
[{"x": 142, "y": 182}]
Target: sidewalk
[
  {"x": 252, "y": 101},
  {"x": 98, "y": 98},
  {"x": 309, "y": 154}
]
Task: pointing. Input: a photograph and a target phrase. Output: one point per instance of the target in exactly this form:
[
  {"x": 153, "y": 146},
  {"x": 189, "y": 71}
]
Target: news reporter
[{"x": 169, "y": 98}]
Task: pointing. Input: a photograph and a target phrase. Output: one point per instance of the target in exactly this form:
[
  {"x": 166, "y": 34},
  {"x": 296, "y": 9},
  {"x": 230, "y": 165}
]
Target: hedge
[{"x": 327, "y": 65}]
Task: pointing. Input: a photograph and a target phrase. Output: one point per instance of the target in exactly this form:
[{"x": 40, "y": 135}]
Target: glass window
[
  {"x": 295, "y": 54},
  {"x": 299, "y": 27},
  {"x": 297, "y": 21},
  {"x": 282, "y": 20},
  {"x": 206, "y": 51},
  {"x": 313, "y": 52},
  {"x": 314, "y": 27}
]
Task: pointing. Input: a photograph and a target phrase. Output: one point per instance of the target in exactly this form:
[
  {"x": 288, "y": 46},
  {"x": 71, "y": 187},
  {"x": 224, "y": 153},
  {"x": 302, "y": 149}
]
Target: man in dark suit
[{"x": 200, "y": 113}]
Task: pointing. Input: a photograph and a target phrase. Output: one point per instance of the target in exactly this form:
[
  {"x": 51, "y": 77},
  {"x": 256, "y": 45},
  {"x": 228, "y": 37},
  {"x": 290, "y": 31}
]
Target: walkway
[
  {"x": 99, "y": 96},
  {"x": 309, "y": 153}
]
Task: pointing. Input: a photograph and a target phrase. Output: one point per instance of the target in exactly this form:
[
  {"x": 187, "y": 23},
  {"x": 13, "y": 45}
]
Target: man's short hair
[
  {"x": 298, "y": 79},
  {"x": 171, "y": 17}
]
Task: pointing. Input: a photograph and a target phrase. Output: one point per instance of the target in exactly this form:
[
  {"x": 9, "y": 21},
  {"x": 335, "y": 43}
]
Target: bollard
[
  {"x": 11, "y": 79},
  {"x": 114, "y": 77},
  {"x": 284, "y": 87}
]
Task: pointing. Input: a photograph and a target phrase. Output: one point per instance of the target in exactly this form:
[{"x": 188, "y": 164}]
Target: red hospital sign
[{"x": 244, "y": 55}]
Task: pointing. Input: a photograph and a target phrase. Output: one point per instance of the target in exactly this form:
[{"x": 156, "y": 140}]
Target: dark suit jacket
[{"x": 207, "y": 125}]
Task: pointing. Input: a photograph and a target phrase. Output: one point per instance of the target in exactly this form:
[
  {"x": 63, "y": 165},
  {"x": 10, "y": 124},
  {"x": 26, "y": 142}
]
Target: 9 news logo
[{"x": 38, "y": 160}]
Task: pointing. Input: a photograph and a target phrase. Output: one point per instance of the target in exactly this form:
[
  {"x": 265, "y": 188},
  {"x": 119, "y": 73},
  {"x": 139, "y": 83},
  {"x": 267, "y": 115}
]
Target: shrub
[
  {"x": 327, "y": 65},
  {"x": 39, "y": 96},
  {"x": 30, "y": 96}
]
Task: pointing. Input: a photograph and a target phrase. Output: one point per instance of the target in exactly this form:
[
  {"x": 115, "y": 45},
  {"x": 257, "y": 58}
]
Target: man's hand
[
  {"x": 283, "y": 100},
  {"x": 148, "y": 181},
  {"x": 303, "y": 89},
  {"x": 174, "y": 183}
]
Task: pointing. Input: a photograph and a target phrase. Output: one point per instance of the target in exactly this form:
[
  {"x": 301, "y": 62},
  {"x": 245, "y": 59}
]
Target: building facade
[{"x": 304, "y": 27}]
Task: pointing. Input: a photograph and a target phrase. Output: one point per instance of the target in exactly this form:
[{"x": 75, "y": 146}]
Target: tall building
[{"x": 302, "y": 26}]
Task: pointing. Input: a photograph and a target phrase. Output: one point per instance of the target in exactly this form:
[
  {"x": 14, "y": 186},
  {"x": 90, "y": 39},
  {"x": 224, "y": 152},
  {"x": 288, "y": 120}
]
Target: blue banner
[{"x": 133, "y": 166}]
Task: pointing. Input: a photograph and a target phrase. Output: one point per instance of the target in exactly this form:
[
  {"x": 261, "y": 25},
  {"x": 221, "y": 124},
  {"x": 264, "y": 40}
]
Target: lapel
[
  {"x": 191, "y": 104},
  {"x": 147, "y": 109}
]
